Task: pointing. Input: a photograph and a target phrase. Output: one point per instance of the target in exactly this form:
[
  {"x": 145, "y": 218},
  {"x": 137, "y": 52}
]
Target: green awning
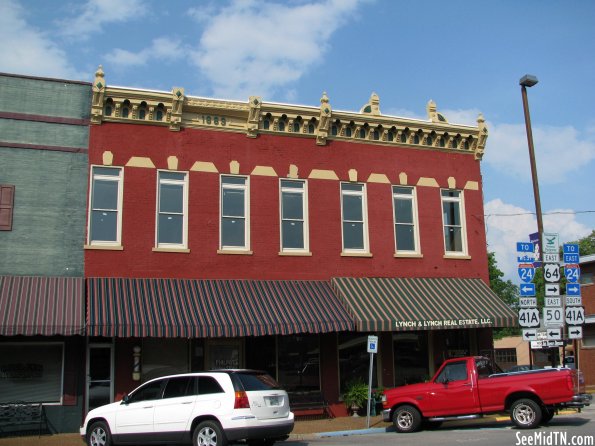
[{"x": 407, "y": 304}]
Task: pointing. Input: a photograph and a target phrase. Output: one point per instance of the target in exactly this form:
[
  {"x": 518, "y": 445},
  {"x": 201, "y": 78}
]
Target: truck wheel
[
  {"x": 99, "y": 435},
  {"x": 208, "y": 433},
  {"x": 407, "y": 419},
  {"x": 525, "y": 413},
  {"x": 547, "y": 415}
]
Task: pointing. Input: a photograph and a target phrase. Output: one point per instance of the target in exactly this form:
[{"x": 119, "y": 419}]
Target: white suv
[{"x": 205, "y": 409}]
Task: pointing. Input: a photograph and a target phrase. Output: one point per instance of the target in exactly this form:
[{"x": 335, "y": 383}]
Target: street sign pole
[{"x": 372, "y": 348}]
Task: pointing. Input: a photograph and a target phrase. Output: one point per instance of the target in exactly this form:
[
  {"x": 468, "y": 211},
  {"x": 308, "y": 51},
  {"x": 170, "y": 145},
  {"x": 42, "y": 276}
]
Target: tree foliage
[
  {"x": 586, "y": 245},
  {"x": 506, "y": 290}
]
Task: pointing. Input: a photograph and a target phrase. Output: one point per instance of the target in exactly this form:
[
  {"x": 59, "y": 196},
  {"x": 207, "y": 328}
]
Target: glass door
[{"x": 99, "y": 375}]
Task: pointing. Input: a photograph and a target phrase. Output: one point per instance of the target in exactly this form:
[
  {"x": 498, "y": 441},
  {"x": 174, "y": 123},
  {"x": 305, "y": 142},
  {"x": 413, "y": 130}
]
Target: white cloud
[
  {"x": 29, "y": 51},
  {"x": 253, "y": 47},
  {"x": 95, "y": 14},
  {"x": 559, "y": 151},
  {"x": 507, "y": 224},
  {"x": 161, "y": 48}
]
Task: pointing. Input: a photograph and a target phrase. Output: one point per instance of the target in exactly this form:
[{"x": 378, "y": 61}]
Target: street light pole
[{"x": 529, "y": 81}]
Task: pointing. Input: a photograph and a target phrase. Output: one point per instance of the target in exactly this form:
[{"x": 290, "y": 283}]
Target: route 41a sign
[
  {"x": 574, "y": 315},
  {"x": 529, "y": 317}
]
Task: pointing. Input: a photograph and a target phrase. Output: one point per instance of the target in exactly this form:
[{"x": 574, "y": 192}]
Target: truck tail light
[
  {"x": 569, "y": 382},
  {"x": 241, "y": 401}
]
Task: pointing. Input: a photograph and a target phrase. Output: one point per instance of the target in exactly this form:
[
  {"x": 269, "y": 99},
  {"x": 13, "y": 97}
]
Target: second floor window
[
  {"x": 452, "y": 219},
  {"x": 405, "y": 219},
  {"x": 172, "y": 205},
  {"x": 294, "y": 222},
  {"x": 105, "y": 213},
  {"x": 353, "y": 210},
  {"x": 234, "y": 213}
]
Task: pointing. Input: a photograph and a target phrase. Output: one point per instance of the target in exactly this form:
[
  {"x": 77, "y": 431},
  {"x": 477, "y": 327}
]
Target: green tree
[
  {"x": 506, "y": 290},
  {"x": 586, "y": 245}
]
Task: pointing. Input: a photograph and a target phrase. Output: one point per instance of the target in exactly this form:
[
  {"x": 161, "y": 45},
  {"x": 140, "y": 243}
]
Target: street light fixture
[{"x": 529, "y": 80}]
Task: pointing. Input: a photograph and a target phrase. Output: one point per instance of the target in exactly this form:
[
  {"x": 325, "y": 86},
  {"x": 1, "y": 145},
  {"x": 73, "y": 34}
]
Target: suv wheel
[
  {"x": 99, "y": 435},
  {"x": 208, "y": 433}
]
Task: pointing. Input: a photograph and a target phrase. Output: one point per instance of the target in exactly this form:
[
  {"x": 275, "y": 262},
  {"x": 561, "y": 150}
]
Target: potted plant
[{"x": 356, "y": 396}]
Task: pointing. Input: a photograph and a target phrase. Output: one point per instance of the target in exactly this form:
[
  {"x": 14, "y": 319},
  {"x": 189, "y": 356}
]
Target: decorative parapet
[{"x": 175, "y": 110}]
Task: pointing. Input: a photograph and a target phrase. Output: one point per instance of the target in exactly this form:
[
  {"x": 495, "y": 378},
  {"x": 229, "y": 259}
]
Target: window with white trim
[
  {"x": 405, "y": 219},
  {"x": 453, "y": 222},
  {"x": 172, "y": 209},
  {"x": 354, "y": 221},
  {"x": 235, "y": 211},
  {"x": 105, "y": 209},
  {"x": 294, "y": 216}
]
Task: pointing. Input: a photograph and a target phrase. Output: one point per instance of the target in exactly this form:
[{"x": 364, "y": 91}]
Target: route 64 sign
[{"x": 526, "y": 272}]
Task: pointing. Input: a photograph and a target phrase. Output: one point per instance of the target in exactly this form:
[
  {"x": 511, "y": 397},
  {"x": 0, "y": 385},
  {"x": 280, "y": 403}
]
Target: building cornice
[{"x": 175, "y": 110}]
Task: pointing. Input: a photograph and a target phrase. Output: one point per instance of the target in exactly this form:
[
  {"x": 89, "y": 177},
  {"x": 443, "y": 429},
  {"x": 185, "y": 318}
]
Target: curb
[{"x": 372, "y": 430}]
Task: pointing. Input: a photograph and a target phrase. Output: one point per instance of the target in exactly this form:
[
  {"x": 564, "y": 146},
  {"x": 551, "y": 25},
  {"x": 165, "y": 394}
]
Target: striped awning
[
  {"x": 405, "y": 304},
  {"x": 130, "y": 307},
  {"x": 42, "y": 306}
]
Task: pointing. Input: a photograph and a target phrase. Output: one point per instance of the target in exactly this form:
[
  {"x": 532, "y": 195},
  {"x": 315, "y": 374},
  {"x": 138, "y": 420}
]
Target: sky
[{"x": 466, "y": 55}]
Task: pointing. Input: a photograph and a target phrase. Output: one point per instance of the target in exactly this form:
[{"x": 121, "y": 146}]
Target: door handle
[
  {"x": 147, "y": 407},
  {"x": 188, "y": 402}
]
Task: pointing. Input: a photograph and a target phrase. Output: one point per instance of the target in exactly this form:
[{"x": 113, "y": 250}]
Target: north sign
[{"x": 527, "y": 302}]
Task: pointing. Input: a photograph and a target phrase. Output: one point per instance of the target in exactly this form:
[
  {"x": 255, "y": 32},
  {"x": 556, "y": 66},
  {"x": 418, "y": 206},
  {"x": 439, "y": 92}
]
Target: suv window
[
  {"x": 257, "y": 381},
  {"x": 150, "y": 391},
  {"x": 207, "y": 385},
  {"x": 177, "y": 387}
]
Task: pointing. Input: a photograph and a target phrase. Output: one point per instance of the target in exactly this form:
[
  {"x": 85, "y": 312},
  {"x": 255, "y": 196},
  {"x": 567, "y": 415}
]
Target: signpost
[{"x": 372, "y": 348}]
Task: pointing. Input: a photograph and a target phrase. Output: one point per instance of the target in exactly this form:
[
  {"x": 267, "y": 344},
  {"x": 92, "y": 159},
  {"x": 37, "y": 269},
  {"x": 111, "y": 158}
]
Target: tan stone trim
[
  {"x": 172, "y": 162},
  {"x": 456, "y": 257},
  {"x": 320, "y": 174},
  {"x": 234, "y": 252},
  {"x": 429, "y": 182},
  {"x": 105, "y": 247},
  {"x": 378, "y": 178},
  {"x": 357, "y": 254},
  {"x": 204, "y": 166},
  {"x": 234, "y": 167},
  {"x": 295, "y": 253},
  {"x": 140, "y": 161},
  {"x": 405, "y": 255},
  {"x": 452, "y": 183},
  {"x": 264, "y": 171},
  {"x": 293, "y": 172},
  {"x": 108, "y": 158},
  {"x": 471, "y": 185},
  {"x": 178, "y": 250},
  {"x": 352, "y": 175},
  {"x": 403, "y": 179}
]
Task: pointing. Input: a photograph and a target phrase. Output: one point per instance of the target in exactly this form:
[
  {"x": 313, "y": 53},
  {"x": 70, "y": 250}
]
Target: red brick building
[{"x": 274, "y": 236}]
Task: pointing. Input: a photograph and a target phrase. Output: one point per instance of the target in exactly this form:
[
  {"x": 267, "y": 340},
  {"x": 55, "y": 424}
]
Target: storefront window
[
  {"x": 354, "y": 360},
  {"x": 162, "y": 357},
  {"x": 411, "y": 357},
  {"x": 260, "y": 354},
  {"x": 31, "y": 372},
  {"x": 299, "y": 362}
]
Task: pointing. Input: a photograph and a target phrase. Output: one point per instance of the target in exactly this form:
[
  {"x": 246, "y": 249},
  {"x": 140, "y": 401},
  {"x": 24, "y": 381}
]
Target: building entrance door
[
  {"x": 224, "y": 354},
  {"x": 100, "y": 371}
]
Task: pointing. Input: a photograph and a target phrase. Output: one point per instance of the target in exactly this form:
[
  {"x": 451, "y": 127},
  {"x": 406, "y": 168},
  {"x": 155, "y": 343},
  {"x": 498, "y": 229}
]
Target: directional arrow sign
[
  {"x": 529, "y": 334},
  {"x": 529, "y": 317},
  {"x": 527, "y": 289},
  {"x": 574, "y": 315},
  {"x": 552, "y": 289},
  {"x": 573, "y": 289},
  {"x": 554, "y": 334},
  {"x": 575, "y": 332}
]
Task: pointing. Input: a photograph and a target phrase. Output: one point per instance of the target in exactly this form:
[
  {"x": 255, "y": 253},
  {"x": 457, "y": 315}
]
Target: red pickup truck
[{"x": 466, "y": 388}]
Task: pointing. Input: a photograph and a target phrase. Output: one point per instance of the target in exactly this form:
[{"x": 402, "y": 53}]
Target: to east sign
[
  {"x": 575, "y": 315},
  {"x": 529, "y": 317}
]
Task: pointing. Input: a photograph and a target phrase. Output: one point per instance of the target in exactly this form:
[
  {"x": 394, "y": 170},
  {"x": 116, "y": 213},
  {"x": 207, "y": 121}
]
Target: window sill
[
  {"x": 235, "y": 252},
  {"x": 105, "y": 247},
  {"x": 356, "y": 254},
  {"x": 182, "y": 250},
  {"x": 457, "y": 256},
  {"x": 405, "y": 255},
  {"x": 295, "y": 253}
]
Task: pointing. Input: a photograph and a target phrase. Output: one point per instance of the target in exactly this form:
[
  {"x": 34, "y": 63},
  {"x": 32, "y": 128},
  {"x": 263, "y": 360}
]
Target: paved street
[{"x": 573, "y": 429}]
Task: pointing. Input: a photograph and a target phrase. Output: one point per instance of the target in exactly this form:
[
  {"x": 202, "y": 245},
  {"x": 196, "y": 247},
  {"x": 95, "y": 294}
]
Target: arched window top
[
  {"x": 109, "y": 107},
  {"x": 312, "y": 125},
  {"x": 266, "y": 122},
  {"x": 160, "y": 112}
]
